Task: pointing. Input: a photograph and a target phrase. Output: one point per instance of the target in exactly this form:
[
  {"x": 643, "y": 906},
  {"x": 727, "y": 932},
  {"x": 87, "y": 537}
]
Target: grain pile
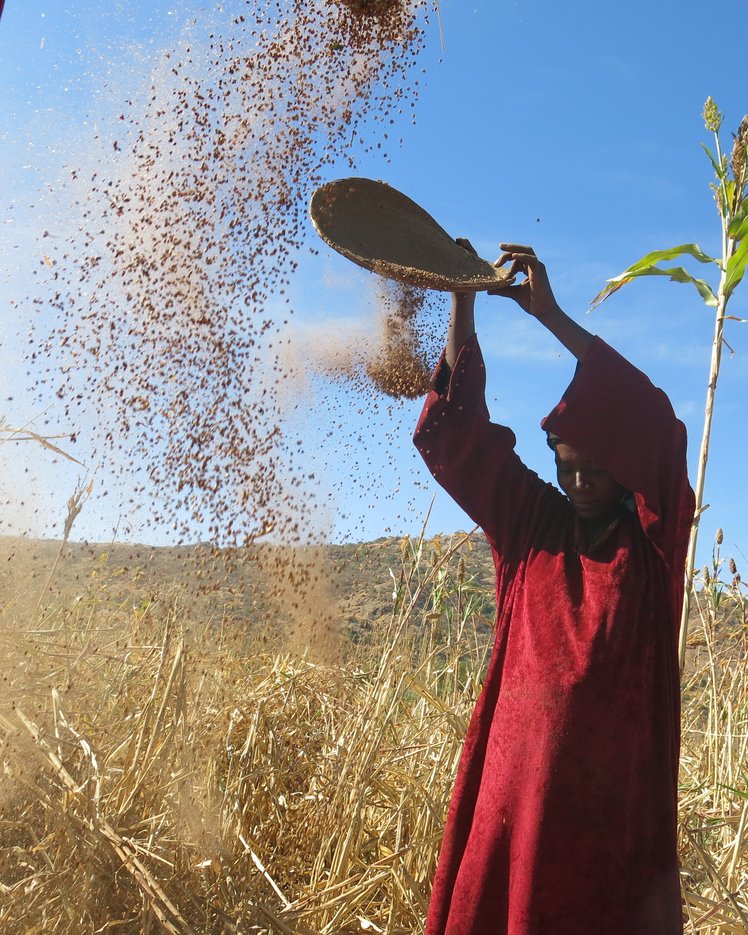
[{"x": 168, "y": 295}]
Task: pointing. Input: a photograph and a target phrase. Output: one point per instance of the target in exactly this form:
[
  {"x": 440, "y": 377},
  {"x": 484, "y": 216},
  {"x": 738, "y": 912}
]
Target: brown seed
[{"x": 187, "y": 232}]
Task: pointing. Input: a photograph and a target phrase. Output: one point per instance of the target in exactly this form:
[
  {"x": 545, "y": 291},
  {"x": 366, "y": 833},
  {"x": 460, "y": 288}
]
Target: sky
[{"x": 570, "y": 127}]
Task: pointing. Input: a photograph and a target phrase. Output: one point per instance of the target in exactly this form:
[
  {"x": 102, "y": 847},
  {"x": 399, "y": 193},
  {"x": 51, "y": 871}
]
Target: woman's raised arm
[{"x": 535, "y": 296}]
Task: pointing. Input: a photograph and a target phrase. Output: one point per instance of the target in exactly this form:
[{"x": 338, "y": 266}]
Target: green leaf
[
  {"x": 692, "y": 249},
  {"x": 613, "y": 286},
  {"x": 648, "y": 261},
  {"x": 739, "y": 224},
  {"x": 736, "y": 267},
  {"x": 717, "y": 167},
  {"x": 646, "y": 267},
  {"x": 729, "y": 192},
  {"x": 743, "y": 793},
  {"x": 738, "y": 229},
  {"x": 678, "y": 274}
]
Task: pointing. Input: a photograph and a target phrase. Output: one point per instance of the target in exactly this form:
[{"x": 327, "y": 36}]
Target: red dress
[{"x": 563, "y": 816}]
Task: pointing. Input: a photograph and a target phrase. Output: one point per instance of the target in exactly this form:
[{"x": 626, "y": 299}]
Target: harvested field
[{"x": 164, "y": 770}]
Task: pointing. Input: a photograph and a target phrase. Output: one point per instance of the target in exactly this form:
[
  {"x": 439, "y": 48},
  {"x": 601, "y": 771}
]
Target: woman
[{"x": 563, "y": 817}]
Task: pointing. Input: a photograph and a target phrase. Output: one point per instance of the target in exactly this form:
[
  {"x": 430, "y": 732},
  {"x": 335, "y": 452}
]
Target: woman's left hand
[{"x": 534, "y": 293}]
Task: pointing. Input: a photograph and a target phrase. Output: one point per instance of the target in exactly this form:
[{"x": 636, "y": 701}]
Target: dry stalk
[{"x": 169, "y": 783}]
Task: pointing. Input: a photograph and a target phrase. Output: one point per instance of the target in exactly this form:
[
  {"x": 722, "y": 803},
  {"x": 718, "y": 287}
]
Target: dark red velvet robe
[{"x": 563, "y": 817}]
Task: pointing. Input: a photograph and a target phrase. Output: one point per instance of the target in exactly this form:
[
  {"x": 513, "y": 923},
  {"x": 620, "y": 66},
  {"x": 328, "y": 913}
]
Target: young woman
[{"x": 563, "y": 817}]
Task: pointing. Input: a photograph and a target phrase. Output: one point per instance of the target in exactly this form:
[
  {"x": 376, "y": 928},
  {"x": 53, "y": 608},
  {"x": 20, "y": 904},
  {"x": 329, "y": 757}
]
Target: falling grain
[{"x": 189, "y": 234}]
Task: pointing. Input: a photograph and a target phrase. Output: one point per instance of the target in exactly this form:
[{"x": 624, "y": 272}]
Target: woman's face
[{"x": 592, "y": 491}]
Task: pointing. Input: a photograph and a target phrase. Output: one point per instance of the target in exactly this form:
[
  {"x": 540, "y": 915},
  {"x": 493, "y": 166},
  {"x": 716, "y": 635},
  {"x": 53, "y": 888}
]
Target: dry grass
[
  {"x": 163, "y": 775},
  {"x": 714, "y": 760}
]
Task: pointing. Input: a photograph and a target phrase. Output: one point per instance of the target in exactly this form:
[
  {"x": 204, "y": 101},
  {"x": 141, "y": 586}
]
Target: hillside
[{"x": 350, "y": 585}]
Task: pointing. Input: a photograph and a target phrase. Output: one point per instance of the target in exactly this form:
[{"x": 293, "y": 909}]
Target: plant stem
[{"x": 728, "y": 246}]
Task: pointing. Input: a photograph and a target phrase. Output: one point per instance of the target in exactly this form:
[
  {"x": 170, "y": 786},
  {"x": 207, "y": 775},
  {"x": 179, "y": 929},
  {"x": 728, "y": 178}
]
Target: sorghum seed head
[
  {"x": 707, "y": 576},
  {"x": 719, "y": 537},
  {"x": 712, "y": 116},
  {"x": 740, "y": 143},
  {"x": 732, "y": 566}
]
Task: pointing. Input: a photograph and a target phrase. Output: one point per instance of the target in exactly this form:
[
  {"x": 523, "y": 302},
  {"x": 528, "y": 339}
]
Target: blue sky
[{"x": 572, "y": 127}]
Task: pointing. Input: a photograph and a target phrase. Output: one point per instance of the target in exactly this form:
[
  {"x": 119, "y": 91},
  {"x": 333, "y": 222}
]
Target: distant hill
[
  {"x": 347, "y": 588},
  {"x": 351, "y": 583}
]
